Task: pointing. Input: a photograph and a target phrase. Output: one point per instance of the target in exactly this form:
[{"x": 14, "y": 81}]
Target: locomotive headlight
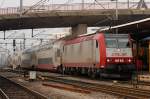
[
  {"x": 118, "y": 49},
  {"x": 121, "y": 60},
  {"x": 102, "y": 66},
  {"x": 129, "y": 60},
  {"x": 108, "y": 60},
  {"x": 116, "y": 60}
]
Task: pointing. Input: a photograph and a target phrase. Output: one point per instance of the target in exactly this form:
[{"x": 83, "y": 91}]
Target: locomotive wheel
[
  {"x": 100, "y": 73},
  {"x": 91, "y": 73},
  {"x": 69, "y": 71},
  {"x": 119, "y": 69},
  {"x": 65, "y": 70},
  {"x": 86, "y": 71},
  {"x": 72, "y": 71},
  {"x": 60, "y": 69},
  {"x": 75, "y": 71},
  {"x": 79, "y": 70}
]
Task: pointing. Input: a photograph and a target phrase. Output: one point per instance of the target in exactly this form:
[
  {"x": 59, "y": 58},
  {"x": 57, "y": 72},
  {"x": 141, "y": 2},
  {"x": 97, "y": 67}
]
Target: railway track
[
  {"x": 125, "y": 92},
  {"x": 3, "y": 95},
  {"x": 12, "y": 90}
]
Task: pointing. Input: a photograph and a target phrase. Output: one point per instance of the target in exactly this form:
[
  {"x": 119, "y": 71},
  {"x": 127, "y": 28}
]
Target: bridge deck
[{"x": 66, "y": 15}]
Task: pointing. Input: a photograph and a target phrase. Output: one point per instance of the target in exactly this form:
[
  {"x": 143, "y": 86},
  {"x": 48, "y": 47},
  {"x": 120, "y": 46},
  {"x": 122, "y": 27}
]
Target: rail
[
  {"x": 13, "y": 90},
  {"x": 71, "y": 7},
  {"x": 126, "y": 92},
  {"x": 87, "y": 87},
  {"x": 3, "y": 95}
]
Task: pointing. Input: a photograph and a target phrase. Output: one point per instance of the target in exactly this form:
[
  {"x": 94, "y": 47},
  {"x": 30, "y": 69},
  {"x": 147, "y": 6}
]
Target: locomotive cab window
[
  {"x": 111, "y": 43},
  {"x": 123, "y": 43}
]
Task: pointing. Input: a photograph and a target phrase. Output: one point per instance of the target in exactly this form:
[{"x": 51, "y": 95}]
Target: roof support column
[
  {"x": 149, "y": 55},
  {"x": 79, "y": 29},
  {"x": 21, "y": 7}
]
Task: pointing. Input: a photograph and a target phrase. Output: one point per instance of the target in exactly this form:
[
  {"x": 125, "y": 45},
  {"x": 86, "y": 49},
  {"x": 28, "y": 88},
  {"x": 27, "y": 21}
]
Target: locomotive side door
[{"x": 97, "y": 52}]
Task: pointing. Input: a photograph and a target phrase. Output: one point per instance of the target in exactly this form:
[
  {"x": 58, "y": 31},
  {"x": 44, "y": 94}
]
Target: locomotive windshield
[
  {"x": 117, "y": 43},
  {"x": 123, "y": 43},
  {"x": 111, "y": 43}
]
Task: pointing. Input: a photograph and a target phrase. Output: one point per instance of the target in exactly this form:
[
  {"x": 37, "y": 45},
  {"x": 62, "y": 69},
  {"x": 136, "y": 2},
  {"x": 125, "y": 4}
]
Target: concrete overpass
[{"x": 59, "y": 15}]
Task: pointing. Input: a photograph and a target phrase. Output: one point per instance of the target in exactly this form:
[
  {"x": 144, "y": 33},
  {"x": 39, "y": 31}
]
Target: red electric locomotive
[{"x": 98, "y": 54}]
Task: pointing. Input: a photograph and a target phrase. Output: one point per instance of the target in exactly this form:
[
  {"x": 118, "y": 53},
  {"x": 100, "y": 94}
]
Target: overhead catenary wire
[{"x": 35, "y": 5}]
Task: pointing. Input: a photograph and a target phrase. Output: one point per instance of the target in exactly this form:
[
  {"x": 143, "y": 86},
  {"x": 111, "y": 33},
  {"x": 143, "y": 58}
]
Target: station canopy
[{"x": 138, "y": 29}]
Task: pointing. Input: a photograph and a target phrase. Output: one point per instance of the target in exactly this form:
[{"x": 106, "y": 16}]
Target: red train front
[{"x": 119, "y": 57}]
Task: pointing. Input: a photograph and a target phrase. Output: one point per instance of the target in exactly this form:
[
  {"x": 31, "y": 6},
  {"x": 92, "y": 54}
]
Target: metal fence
[{"x": 71, "y": 7}]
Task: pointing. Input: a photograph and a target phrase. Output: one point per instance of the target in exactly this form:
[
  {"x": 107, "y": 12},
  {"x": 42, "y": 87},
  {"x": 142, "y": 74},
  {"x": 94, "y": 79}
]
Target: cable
[
  {"x": 68, "y": 2},
  {"x": 35, "y": 5}
]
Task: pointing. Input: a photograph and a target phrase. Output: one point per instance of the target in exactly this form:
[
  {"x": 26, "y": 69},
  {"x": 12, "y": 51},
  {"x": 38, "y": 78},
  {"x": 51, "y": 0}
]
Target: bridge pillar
[{"x": 79, "y": 29}]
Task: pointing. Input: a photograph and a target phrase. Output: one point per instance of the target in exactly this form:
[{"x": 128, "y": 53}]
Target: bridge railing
[{"x": 71, "y": 7}]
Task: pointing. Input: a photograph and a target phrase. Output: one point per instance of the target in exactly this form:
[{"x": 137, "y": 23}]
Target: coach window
[
  {"x": 58, "y": 52},
  {"x": 80, "y": 47},
  {"x": 63, "y": 48},
  {"x": 49, "y": 60}
]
